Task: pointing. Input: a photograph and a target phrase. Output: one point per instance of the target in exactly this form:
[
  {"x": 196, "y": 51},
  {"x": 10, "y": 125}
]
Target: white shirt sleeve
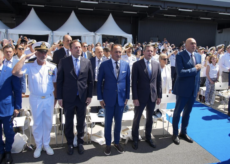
[{"x": 25, "y": 69}]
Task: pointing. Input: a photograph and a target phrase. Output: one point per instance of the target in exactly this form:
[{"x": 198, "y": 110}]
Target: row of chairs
[{"x": 91, "y": 118}]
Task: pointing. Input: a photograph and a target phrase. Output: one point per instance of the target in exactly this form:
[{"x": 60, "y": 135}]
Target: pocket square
[{"x": 123, "y": 71}]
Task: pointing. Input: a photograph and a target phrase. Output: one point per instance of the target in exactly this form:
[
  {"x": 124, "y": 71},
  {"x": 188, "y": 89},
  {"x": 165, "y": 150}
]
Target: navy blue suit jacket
[
  {"x": 93, "y": 63},
  {"x": 113, "y": 87},
  {"x": 188, "y": 78},
  {"x": 10, "y": 92}
]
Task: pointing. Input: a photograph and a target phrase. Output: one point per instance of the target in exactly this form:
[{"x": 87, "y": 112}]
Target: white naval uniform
[
  {"x": 130, "y": 60},
  {"x": 40, "y": 81}
]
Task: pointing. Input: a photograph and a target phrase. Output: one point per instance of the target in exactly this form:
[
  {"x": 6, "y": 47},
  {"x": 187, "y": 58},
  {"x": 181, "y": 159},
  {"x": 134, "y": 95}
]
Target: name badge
[{"x": 51, "y": 72}]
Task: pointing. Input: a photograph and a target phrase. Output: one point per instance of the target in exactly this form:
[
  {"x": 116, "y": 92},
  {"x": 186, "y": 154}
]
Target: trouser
[
  {"x": 111, "y": 112},
  {"x": 138, "y": 110},
  {"x": 69, "y": 108},
  {"x": 210, "y": 89},
  {"x": 95, "y": 109},
  {"x": 185, "y": 103},
  {"x": 9, "y": 134},
  {"x": 173, "y": 75},
  {"x": 42, "y": 113},
  {"x": 225, "y": 76}
]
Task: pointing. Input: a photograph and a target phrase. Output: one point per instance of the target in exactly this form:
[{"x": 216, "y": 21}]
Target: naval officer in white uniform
[{"x": 42, "y": 83}]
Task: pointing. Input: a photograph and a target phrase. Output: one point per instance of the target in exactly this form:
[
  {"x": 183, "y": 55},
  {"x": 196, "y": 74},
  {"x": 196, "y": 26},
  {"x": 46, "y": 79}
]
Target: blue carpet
[{"x": 210, "y": 129}]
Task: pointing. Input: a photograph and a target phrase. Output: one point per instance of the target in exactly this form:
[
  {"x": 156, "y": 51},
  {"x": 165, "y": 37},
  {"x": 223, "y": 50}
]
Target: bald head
[
  {"x": 190, "y": 45},
  {"x": 99, "y": 52},
  {"x": 66, "y": 41}
]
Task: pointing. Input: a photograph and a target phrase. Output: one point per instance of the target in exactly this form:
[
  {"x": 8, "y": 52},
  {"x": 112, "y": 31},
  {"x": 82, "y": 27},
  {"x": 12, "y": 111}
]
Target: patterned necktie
[
  {"x": 85, "y": 55},
  {"x": 77, "y": 67},
  {"x": 99, "y": 62},
  {"x": 117, "y": 69},
  {"x": 193, "y": 60},
  {"x": 149, "y": 70}
]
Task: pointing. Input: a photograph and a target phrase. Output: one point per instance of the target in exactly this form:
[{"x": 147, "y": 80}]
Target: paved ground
[{"x": 165, "y": 153}]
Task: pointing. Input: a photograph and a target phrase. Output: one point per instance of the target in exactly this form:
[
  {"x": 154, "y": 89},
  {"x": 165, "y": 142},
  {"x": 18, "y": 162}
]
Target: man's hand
[
  {"x": 136, "y": 102},
  {"x": 102, "y": 104},
  {"x": 126, "y": 101},
  {"x": 88, "y": 101},
  {"x": 29, "y": 55},
  {"x": 16, "y": 112},
  {"x": 198, "y": 66},
  {"x": 60, "y": 102},
  {"x": 158, "y": 101}
]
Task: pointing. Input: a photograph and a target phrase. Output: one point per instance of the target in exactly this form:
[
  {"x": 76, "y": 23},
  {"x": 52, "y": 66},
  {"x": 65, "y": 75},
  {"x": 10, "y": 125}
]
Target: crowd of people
[{"x": 70, "y": 73}]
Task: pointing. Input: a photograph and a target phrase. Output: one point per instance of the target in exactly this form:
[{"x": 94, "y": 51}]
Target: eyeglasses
[
  {"x": 20, "y": 48},
  {"x": 85, "y": 46},
  {"x": 164, "y": 59}
]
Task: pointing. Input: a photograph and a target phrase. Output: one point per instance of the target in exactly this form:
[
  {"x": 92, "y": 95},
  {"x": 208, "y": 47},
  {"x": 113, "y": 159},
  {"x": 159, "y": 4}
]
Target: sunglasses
[
  {"x": 164, "y": 59},
  {"x": 85, "y": 46},
  {"x": 20, "y": 48}
]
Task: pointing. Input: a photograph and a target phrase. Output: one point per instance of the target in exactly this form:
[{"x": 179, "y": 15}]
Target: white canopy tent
[
  {"x": 32, "y": 25},
  {"x": 74, "y": 27},
  {"x": 110, "y": 27},
  {"x": 3, "y": 30}
]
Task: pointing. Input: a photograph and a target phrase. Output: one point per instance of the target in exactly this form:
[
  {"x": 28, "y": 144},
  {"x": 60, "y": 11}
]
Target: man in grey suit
[
  {"x": 147, "y": 91},
  {"x": 86, "y": 54}
]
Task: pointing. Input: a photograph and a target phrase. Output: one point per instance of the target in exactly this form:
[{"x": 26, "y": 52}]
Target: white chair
[
  {"x": 54, "y": 124},
  {"x": 19, "y": 122},
  {"x": 168, "y": 98}
]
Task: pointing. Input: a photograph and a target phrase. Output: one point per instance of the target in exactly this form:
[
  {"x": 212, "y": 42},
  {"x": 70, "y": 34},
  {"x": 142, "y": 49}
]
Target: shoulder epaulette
[
  {"x": 30, "y": 62},
  {"x": 52, "y": 63}
]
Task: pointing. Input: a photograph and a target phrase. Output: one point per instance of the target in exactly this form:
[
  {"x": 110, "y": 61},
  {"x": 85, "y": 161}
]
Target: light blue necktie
[
  {"x": 85, "y": 55},
  {"x": 149, "y": 70},
  {"x": 77, "y": 67}
]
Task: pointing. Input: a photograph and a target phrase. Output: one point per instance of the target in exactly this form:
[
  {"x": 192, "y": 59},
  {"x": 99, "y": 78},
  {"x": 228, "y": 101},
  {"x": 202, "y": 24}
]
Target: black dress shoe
[
  {"x": 175, "y": 139},
  {"x": 8, "y": 158},
  {"x": 69, "y": 149},
  {"x": 151, "y": 143},
  {"x": 2, "y": 156},
  {"x": 186, "y": 138},
  {"x": 135, "y": 145},
  {"x": 81, "y": 149}
]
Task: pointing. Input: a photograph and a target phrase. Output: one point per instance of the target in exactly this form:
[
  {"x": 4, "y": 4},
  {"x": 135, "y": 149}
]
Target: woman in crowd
[
  {"x": 212, "y": 73},
  {"x": 19, "y": 51},
  {"x": 138, "y": 56}
]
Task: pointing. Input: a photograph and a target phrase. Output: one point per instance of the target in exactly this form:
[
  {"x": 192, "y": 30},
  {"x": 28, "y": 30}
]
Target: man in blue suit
[
  {"x": 10, "y": 103},
  {"x": 116, "y": 76},
  {"x": 188, "y": 65}
]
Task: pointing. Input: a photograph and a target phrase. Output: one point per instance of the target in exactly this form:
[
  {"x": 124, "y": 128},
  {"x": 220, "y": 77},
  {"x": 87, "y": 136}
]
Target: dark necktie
[
  {"x": 67, "y": 53},
  {"x": 192, "y": 58},
  {"x": 117, "y": 69}
]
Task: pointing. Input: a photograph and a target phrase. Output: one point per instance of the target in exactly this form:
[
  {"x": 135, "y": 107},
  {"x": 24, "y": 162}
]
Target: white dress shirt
[
  {"x": 97, "y": 68},
  {"x": 150, "y": 66},
  {"x": 8, "y": 63},
  {"x": 114, "y": 66},
  {"x": 66, "y": 52},
  {"x": 75, "y": 62},
  {"x": 1, "y": 67},
  {"x": 225, "y": 62},
  {"x": 194, "y": 60}
]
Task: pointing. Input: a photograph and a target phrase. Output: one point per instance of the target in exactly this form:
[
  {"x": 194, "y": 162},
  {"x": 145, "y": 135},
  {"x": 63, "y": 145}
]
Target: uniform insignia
[
  {"x": 51, "y": 72},
  {"x": 43, "y": 45},
  {"x": 30, "y": 62}
]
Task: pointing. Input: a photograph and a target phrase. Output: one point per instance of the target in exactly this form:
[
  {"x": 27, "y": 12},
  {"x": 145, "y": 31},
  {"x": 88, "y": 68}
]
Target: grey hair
[{"x": 148, "y": 45}]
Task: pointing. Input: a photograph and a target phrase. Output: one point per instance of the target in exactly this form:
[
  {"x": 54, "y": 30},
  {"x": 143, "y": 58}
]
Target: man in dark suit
[
  {"x": 74, "y": 93},
  {"x": 188, "y": 65},
  {"x": 147, "y": 91},
  {"x": 62, "y": 52},
  {"x": 10, "y": 104},
  {"x": 96, "y": 62},
  {"x": 114, "y": 94},
  {"x": 86, "y": 54}
]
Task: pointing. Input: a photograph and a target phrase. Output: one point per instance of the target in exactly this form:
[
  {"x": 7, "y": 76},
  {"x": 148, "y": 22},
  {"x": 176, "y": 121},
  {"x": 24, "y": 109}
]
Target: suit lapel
[
  {"x": 188, "y": 57},
  {"x": 152, "y": 64},
  {"x": 111, "y": 68},
  {"x": 72, "y": 70},
  {"x": 142, "y": 61},
  {"x": 196, "y": 58},
  {"x": 2, "y": 75},
  {"x": 82, "y": 65}
]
